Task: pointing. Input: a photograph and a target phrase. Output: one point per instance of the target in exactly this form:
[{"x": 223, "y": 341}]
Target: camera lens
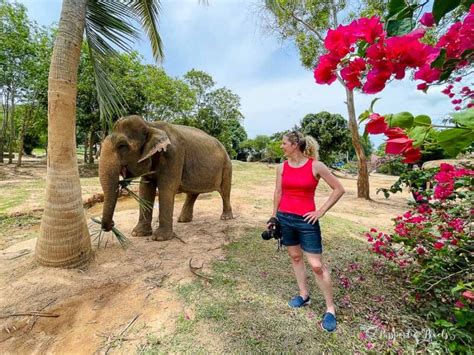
[{"x": 266, "y": 235}]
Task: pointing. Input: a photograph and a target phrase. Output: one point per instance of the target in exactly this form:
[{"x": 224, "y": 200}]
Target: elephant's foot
[
  {"x": 142, "y": 230},
  {"x": 185, "y": 218},
  {"x": 227, "y": 215},
  {"x": 162, "y": 235}
]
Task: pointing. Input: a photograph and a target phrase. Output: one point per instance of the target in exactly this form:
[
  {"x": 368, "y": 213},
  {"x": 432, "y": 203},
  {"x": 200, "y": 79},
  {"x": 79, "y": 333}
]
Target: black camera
[{"x": 273, "y": 231}]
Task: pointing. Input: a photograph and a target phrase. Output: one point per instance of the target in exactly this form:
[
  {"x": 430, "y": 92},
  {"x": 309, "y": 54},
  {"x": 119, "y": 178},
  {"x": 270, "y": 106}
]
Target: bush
[
  {"x": 432, "y": 244},
  {"x": 393, "y": 167}
]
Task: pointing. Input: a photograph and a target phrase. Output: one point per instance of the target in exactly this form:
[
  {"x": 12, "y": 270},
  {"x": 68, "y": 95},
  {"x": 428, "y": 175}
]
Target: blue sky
[{"x": 226, "y": 39}]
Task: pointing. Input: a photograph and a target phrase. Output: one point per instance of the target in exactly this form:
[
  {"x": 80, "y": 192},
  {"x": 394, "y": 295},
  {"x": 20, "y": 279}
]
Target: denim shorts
[{"x": 296, "y": 231}]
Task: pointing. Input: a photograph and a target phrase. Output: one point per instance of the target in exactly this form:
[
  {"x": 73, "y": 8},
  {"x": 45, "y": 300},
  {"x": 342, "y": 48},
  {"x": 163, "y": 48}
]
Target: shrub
[{"x": 432, "y": 243}]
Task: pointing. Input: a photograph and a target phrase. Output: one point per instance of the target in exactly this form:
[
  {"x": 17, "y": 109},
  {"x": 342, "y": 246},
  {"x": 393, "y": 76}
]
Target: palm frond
[
  {"x": 147, "y": 13},
  {"x": 121, "y": 238},
  {"x": 143, "y": 204},
  {"x": 108, "y": 27},
  {"x": 273, "y": 6}
]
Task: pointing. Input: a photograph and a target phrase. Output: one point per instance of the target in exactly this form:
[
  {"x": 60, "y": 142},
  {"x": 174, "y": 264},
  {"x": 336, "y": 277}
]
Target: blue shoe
[
  {"x": 298, "y": 301},
  {"x": 329, "y": 322}
]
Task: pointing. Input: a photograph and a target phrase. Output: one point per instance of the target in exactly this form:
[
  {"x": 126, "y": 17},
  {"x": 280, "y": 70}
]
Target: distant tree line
[{"x": 146, "y": 90}]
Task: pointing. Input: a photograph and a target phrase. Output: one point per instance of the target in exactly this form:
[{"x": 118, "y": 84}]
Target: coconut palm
[{"x": 64, "y": 239}]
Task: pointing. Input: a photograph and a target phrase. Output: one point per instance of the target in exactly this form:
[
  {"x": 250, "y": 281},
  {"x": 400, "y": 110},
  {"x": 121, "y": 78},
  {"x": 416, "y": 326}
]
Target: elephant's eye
[{"x": 122, "y": 146}]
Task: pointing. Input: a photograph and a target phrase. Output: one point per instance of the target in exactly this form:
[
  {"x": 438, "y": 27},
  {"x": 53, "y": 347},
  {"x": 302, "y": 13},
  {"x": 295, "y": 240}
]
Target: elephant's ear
[{"x": 156, "y": 142}]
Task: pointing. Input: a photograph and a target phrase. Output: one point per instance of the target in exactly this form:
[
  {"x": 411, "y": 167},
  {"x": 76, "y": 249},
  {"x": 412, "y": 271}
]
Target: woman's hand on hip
[{"x": 313, "y": 216}]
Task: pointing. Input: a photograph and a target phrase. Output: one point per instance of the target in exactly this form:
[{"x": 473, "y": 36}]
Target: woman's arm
[
  {"x": 319, "y": 169},
  {"x": 277, "y": 193}
]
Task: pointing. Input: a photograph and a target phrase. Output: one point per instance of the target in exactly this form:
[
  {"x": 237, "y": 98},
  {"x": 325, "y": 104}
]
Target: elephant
[{"x": 170, "y": 157}]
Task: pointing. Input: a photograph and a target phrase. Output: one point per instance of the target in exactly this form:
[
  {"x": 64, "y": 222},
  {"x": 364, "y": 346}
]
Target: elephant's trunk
[{"x": 109, "y": 171}]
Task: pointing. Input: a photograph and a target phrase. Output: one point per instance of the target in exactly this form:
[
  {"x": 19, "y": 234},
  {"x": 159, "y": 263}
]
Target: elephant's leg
[
  {"x": 187, "y": 211},
  {"x": 165, "y": 229},
  {"x": 225, "y": 192},
  {"x": 147, "y": 191}
]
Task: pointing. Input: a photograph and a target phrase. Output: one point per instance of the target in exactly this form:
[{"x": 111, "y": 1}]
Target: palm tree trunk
[
  {"x": 363, "y": 190},
  {"x": 64, "y": 239}
]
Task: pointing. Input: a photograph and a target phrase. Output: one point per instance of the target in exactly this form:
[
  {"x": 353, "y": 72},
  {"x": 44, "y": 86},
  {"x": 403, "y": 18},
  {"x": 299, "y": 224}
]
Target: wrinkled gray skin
[{"x": 182, "y": 159}]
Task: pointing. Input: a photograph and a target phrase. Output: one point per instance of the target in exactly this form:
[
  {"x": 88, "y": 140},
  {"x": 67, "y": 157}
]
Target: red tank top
[{"x": 298, "y": 186}]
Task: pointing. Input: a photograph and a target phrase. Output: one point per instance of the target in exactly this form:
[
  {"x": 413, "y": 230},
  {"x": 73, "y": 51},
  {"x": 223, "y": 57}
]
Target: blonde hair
[{"x": 306, "y": 144}]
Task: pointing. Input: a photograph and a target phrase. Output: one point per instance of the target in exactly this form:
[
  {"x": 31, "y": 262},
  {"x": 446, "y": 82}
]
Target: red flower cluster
[
  {"x": 397, "y": 142},
  {"x": 389, "y": 57},
  {"x": 459, "y": 38},
  {"x": 446, "y": 179}
]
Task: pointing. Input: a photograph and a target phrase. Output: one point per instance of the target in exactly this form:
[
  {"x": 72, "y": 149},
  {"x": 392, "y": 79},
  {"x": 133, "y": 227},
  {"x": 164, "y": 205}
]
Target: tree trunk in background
[
  {"x": 22, "y": 136},
  {"x": 86, "y": 144},
  {"x": 4, "y": 123},
  {"x": 64, "y": 239},
  {"x": 91, "y": 147},
  {"x": 363, "y": 190},
  {"x": 11, "y": 139}
]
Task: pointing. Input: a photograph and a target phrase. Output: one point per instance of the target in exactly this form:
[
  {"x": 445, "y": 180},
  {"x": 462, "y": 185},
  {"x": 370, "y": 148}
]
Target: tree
[
  {"x": 330, "y": 130},
  {"x": 201, "y": 83},
  {"x": 166, "y": 98},
  {"x": 14, "y": 58},
  {"x": 64, "y": 239},
  {"x": 307, "y": 22}
]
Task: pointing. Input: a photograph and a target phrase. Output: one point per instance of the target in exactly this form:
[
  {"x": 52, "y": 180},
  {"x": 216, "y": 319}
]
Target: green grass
[
  {"x": 14, "y": 194},
  {"x": 38, "y": 151},
  {"x": 245, "y": 304}
]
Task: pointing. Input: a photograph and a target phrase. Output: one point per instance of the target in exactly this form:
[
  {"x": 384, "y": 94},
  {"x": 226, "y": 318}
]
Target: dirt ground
[{"x": 124, "y": 295}]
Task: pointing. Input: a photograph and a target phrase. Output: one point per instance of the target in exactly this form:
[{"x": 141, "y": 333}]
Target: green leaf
[
  {"x": 373, "y": 103},
  {"x": 454, "y": 140},
  {"x": 399, "y": 27},
  {"x": 439, "y": 61},
  {"x": 395, "y": 6},
  {"x": 418, "y": 134},
  {"x": 444, "y": 323},
  {"x": 422, "y": 120},
  {"x": 402, "y": 119},
  {"x": 465, "y": 118},
  {"x": 147, "y": 12},
  {"x": 442, "y": 7},
  {"x": 364, "y": 115},
  {"x": 445, "y": 74}
]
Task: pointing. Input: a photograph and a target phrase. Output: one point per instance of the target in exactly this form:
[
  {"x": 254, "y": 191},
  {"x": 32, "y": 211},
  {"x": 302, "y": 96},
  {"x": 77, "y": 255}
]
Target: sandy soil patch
[{"x": 96, "y": 304}]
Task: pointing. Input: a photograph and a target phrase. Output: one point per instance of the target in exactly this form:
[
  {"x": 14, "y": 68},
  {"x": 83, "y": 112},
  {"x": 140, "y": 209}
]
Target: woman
[{"x": 294, "y": 207}]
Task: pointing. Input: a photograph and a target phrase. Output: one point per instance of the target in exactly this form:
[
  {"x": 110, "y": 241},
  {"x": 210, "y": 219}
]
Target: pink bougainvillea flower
[
  {"x": 395, "y": 132},
  {"x": 443, "y": 190},
  {"x": 412, "y": 155},
  {"x": 427, "y": 74},
  {"x": 351, "y": 73},
  {"x": 398, "y": 145},
  {"x": 362, "y": 336},
  {"x": 370, "y": 29},
  {"x": 340, "y": 40},
  {"x": 459, "y": 304},
  {"x": 469, "y": 295},
  {"x": 324, "y": 73},
  {"x": 422, "y": 86},
  {"x": 427, "y": 19},
  {"x": 376, "y": 125},
  {"x": 420, "y": 249},
  {"x": 438, "y": 245},
  {"x": 376, "y": 80}
]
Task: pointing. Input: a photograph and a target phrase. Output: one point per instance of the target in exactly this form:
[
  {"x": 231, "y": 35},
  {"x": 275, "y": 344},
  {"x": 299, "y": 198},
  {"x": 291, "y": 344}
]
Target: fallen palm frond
[
  {"x": 98, "y": 234},
  {"x": 124, "y": 185}
]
